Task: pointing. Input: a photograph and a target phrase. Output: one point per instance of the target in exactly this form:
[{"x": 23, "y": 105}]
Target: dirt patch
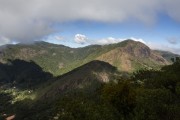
[{"x": 11, "y": 117}]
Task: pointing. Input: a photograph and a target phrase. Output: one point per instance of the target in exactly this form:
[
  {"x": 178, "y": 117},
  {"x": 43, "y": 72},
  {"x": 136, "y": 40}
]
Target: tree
[{"x": 121, "y": 96}]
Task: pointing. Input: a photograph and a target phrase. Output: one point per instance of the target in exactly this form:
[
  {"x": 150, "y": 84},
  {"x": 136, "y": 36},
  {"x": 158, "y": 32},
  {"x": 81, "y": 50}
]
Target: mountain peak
[
  {"x": 130, "y": 55},
  {"x": 88, "y": 76},
  {"x": 135, "y": 48}
]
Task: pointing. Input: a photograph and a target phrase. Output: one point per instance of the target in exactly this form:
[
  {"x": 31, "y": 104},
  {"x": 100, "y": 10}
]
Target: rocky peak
[{"x": 136, "y": 48}]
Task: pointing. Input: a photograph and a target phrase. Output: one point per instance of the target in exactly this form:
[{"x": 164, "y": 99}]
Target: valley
[{"x": 116, "y": 81}]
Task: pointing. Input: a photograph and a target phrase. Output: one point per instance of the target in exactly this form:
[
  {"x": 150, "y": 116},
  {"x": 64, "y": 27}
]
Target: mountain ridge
[
  {"x": 87, "y": 77},
  {"x": 60, "y": 59},
  {"x": 91, "y": 74}
]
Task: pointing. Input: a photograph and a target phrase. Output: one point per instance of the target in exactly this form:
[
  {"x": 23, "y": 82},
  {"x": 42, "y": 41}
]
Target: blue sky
[
  {"x": 163, "y": 34},
  {"x": 77, "y": 23}
]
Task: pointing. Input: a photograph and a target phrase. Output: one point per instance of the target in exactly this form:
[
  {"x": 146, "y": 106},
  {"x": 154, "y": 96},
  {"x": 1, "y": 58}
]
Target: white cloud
[
  {"x": 4, "y": 40},
  {"x": 80, "y": 39},
  {"x": 173, "y": 40},
  {"x": 155, "y": 46},
  {"x": 58, "y": 38},
  {"x": 138, "y": 39},
  {"x": 25, "y": 21},
  {"x": 111, "y": 40},
  {"x": 165, "y": 47}
]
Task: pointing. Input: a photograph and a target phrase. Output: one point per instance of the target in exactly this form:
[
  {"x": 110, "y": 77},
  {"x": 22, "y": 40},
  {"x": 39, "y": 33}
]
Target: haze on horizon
[{"x": 77, "y": 23}]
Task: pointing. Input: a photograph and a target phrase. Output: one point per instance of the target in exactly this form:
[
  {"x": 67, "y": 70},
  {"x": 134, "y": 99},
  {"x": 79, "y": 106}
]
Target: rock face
[
  {"x": 133, "y": 55},
  {"x": 136, "y": 49}
]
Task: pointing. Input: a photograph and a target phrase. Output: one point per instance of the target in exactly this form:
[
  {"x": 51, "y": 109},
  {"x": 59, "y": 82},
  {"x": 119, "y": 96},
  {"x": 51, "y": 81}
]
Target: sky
[{"x": 78, "y": 23}]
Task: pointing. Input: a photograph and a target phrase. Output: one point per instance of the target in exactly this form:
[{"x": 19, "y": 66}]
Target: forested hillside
[
  {"x": 127, "y": 56},
  {"x": 145, "y": 95}
]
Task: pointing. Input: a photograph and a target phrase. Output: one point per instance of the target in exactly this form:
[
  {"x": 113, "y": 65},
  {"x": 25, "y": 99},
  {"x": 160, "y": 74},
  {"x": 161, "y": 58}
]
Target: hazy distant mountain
[
  {"x": 167, "y": 55},
  {"x": 58, "y": 59}
]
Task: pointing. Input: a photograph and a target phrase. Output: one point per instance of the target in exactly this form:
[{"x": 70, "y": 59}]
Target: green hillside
[
  {"x": 120, "y": 81},
  {"x": 58, "y": 59},
  {"x": 88, "y": 77},
  {"x": 96, "y": 91}
]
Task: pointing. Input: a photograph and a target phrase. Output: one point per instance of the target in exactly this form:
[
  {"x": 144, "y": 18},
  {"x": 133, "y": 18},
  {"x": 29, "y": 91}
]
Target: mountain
[
  {"x": 22, "y": 74},
  {"x": 131, "y": 56},
  {"x": 87, "y": 77},
  {"x": 92, "y": 82},
  {"x": 167, "y": 55},
  {"x": 127, "y": 56}
]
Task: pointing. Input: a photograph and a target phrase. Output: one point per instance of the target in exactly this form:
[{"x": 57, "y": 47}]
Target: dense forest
[
  {"x": 89, "y": 59},
  {"x": 145, "y": 95}
]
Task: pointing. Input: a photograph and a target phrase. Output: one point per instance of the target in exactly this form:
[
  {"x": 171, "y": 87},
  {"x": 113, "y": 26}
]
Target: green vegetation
[
  {"x": 59, "y": 59},
  {"x": 147, "y": 95},
  {"x": 89, "y": 87},
  {"x": 22, "y": 74},
  {"x": 18, "y": 95}
]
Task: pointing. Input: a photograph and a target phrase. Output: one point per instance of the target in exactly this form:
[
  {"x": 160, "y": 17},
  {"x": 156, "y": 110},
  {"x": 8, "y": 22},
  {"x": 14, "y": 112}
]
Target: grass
[{"x": 19, "y": 95}]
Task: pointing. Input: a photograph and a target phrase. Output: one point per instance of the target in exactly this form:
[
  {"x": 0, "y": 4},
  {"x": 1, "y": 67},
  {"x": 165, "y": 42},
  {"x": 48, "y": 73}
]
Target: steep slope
[
  {"x": 22, "y": 74},
  {"x": 132, "y": 55},
  {"x": 87, "y": 77}
]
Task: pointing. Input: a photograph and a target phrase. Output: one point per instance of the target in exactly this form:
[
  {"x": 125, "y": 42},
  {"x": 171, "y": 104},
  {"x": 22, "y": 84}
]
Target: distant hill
[
  {"x": 167, "y": 55},
  {"x": 127, "y": 56}
]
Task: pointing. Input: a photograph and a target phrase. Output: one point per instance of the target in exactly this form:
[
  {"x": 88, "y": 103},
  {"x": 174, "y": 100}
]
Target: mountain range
[
  {"x": 127, "y": 56},
  {"x": 43, "y": 80}
]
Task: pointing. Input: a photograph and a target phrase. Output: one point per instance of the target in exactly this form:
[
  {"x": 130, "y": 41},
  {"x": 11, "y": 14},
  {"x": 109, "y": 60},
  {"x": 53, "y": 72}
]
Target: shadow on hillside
[
  {"x": 22, "y": 74},
  {"x": 95, "y": 66}
]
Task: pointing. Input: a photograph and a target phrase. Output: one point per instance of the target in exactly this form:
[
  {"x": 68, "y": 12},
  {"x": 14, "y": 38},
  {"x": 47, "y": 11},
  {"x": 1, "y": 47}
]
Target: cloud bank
[
  {"x": 172, "y": 47},
  {"x": 82, "y": 39},
  {"x": 164, "y": 47},
  {"x": 111, "y": 40},
  {"x": 4, "y": 40},
  {"x": 26, "y": 21}
]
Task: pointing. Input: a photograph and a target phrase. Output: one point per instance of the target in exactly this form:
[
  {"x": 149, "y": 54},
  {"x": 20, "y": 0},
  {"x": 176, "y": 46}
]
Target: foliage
[
  {"x": 23, "y": 74},
  {"x": 158, "y": 94},
  {"x": 121, "y": 96},
  {"x": 59, "y": 59},
  {"x": 148, "y": 95}
]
